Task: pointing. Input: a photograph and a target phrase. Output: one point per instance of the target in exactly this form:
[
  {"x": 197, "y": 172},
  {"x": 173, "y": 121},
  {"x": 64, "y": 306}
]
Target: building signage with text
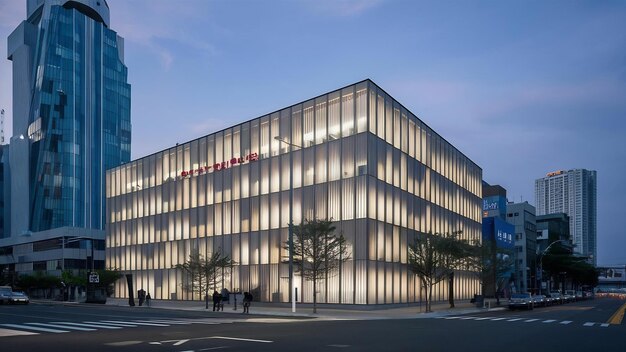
[{"x": 220, "y": 166}]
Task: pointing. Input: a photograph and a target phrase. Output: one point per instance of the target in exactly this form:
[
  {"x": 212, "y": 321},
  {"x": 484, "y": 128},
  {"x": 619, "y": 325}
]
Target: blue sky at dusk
[{"x": 521, "y": 87}]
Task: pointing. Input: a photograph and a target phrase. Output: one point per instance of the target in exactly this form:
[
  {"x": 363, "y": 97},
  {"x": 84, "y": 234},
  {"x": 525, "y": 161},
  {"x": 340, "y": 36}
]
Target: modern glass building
[
  {"x": 359, "y": 158},
  {"x": 71, "y": 122}
]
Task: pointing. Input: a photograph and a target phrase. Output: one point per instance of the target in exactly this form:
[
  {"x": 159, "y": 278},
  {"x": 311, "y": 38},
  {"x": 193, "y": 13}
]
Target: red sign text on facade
[{"x": 220, "y": 166}]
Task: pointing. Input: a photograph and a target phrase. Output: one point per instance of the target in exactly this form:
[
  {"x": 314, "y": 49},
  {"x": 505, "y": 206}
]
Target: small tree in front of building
[
  {"x": 203, "y": 273},
  {"x": 318, "y": 252},
  {"x": 431, "y": 259}
]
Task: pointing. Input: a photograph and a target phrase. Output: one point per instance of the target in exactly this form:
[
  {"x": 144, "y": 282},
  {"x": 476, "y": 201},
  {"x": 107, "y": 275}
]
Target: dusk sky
[{"x": 520, "y": 87}]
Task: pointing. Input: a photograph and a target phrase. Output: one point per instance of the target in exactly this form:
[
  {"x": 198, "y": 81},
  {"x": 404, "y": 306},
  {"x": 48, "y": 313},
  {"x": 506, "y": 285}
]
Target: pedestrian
[
  {"x": 216, "y": 300},
  {"x": 148, "y": 298},
  {"x": 247, "y": 299}
]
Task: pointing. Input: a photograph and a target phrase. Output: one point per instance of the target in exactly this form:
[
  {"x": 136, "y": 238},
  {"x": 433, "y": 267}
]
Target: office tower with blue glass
[{"x": 71, "y": 122}]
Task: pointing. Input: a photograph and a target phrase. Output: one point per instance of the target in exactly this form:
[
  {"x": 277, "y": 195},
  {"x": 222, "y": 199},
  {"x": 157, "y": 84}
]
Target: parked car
[
  {"x": 556, "y": 297},
  {"x": 579, "y": 295},
  {"x": 570, "y": 296},
  {"x": 587, "y": 294},
  {"x": 5, "y": 293},
  {"x": 540, "y": 301},
  {"x": 521, "y": 300},
  {"x": 18, "y": 297}
]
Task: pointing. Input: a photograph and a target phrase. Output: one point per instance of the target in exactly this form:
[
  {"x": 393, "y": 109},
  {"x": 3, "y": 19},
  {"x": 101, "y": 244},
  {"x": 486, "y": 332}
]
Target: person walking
[
  {"x": 216, "y": 300},
  {"x": 247, "y": 299},
  {"x": 148, "y": 298}
]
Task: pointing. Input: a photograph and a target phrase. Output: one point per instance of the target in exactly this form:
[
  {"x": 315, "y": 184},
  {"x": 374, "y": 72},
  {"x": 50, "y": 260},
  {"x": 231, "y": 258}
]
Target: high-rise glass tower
[
  {"x": 573, "y": 192},
  {"x": 71, "y": 118}
]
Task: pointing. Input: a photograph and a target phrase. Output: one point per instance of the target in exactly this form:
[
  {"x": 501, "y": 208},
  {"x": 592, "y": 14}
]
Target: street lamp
[
  {"x": 292, "y": 283},
  {"x": 541, "y": 259}
]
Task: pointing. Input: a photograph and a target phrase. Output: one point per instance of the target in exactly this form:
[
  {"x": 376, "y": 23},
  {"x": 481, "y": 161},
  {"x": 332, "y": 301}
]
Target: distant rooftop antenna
[{"x": 2, "y": 127}]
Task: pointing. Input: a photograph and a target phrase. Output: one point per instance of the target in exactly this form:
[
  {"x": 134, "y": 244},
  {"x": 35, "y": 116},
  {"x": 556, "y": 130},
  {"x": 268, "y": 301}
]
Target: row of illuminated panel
[
  {"x": 360, "y": 282},
  {"x": 385, "y": 246},
  {"x": 337, "y": 200},
  {"x": 324, "y": 165},
  {"x": 325, "y": 119},
  {"x": 272, "y": 212}
]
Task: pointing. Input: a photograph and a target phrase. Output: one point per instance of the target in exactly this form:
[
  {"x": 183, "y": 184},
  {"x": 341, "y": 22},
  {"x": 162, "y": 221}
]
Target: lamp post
[
  {"x": 292, "y": 283},
  {"x": 541, "y": 259}
]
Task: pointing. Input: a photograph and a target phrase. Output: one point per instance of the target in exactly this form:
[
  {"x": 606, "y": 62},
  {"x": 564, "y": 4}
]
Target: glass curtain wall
[{"x": 361, "y": 159}]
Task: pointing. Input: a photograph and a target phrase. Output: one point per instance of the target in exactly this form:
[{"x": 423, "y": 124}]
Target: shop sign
[{"x": 220, "y": 166}]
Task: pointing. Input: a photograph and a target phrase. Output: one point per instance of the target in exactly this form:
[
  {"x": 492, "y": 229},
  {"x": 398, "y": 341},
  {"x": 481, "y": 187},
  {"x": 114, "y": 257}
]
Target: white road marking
[
  {"x": 90, "y": 325},
  {"x": 240, "y": 339},
  {"x": 549, "y": 321},
  {"x": 468, "y": 318},
  {"x": 515, "y": 319},
  {"x": 133, "y": 322},
  {"x": 171, "y": 322},
  {"x": 124, "y": 343},
  {"x": 213, "y": 348},
  {"x": 119, "y": 325},
  {"x": 9, "y": 332},
  {"x": 530, "y": 320},
  {"x": 484, "y": 318},
  {"x": 604, "y": 325},
  {"x": 589, "y": 324},
  {"x": 496, "y": 319},
  {"x": 27, "y": 327},
  {"x": 565, "y": 322},
  {"x": 449, "y": 318},
  {"x": 62, "y": 326},
  {"x": 180, "y": 342}
]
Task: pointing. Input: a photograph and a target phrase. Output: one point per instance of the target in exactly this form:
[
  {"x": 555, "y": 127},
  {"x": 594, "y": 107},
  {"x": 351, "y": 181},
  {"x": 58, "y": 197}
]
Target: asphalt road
[{"x": 577, "y": 326}]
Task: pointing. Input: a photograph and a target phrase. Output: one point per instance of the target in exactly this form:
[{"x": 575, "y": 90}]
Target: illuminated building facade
[{"x": 365, "y": 161}]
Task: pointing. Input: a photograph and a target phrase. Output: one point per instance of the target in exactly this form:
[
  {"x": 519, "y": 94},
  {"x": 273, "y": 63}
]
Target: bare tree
[
  {"x": 491, "y": 265},
  {"x": 432, "y": 257},
  {"x": 317, "y": 251},
  {"x": 203, "y": 273}
]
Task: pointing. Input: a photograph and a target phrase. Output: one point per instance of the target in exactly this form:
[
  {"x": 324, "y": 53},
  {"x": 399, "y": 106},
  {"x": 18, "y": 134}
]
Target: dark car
[
  {"x": 5, "y": 293},
  {"x": 18, "y": 298},
  {"x": 521, "y": 300}
]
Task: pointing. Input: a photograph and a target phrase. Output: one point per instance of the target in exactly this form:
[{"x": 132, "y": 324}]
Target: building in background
[
  {"x": 359, "y": 158},
  {"x": 71, "y": 122},
  {"x": 552, "y": 229},
  {"x": 522, "y": 216},
  {"x": 1, "y": 126},
  {"x": 573, "y": 192},
  {"x": 500, "y": 236}
]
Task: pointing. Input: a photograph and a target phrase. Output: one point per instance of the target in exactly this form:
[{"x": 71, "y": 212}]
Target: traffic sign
[{"x": 94, "y": 278}]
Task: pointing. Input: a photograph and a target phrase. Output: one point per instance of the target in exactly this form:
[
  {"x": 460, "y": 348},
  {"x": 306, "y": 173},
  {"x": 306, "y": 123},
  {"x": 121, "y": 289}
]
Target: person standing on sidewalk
[
  {"x": 216, "y": 300},
  {"x": 247, "y": 299},
  {"x": 148, "y": 298}
]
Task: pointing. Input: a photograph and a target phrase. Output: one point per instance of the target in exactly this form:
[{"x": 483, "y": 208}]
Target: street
[{"x": 580, "y": 326}]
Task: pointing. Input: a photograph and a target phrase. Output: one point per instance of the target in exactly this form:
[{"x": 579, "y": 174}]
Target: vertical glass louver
[{"x": 79, "y": 119}]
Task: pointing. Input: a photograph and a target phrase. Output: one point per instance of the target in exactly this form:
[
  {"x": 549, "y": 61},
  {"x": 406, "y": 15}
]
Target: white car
[
  {"x": 521, "y": 300},
  {"x": 18, "y": 297}
]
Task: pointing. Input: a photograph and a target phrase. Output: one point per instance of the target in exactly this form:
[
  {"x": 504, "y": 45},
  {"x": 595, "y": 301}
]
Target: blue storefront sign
[{"x": 500, "y": 231}]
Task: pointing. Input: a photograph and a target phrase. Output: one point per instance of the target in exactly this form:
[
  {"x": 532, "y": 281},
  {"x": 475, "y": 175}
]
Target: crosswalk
[
  {"x": 59, "y": 327},
  {"x": 523, "y": 320}
]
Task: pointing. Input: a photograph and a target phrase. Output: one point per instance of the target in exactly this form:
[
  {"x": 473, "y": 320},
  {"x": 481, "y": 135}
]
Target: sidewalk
[{"x": 324, "y": 312}]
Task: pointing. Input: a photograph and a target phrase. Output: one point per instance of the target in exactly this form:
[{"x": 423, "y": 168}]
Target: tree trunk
[
  {"x": 314, "y": 295},
  {"x": 451, "y": 289},
  {"x": 429, "y": 297}
]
